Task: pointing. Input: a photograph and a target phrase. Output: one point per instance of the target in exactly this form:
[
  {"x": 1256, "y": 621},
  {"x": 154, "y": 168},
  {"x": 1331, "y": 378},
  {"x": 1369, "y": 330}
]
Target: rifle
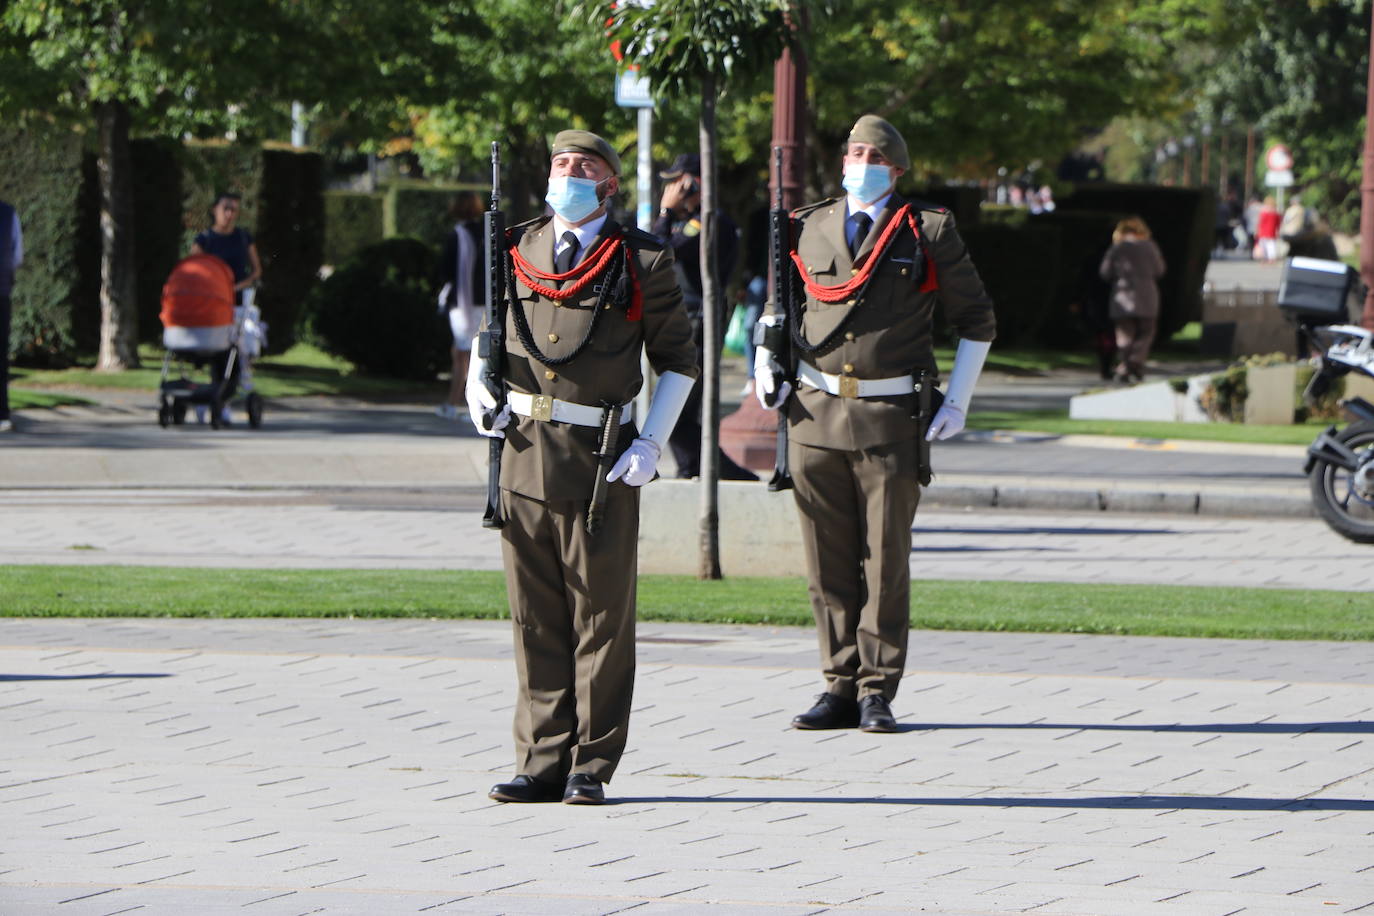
[
  {"x": 778, "y": 338},
  {"x": 491, "y": 343}
]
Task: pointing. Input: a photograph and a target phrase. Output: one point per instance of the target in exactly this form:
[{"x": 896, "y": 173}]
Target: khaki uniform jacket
[
  {"x": 556, "y": 461},
  {"x": 890, "y": 332}
]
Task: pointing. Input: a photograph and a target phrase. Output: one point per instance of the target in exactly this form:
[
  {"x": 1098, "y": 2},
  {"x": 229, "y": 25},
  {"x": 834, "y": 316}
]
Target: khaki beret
[
  {"x": 874, "y": 131},
  {"x": 584, "y": 141}
]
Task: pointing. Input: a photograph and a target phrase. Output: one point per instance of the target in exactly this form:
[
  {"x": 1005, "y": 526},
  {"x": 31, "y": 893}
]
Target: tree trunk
[
  {"x": 709, "y": 564},
  {"x": 118, "y": 291}
]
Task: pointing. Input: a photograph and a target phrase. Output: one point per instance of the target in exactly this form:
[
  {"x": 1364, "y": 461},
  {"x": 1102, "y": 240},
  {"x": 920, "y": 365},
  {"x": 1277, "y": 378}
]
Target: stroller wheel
[
  {"x": 164, "y": 416},
  {"x": 254, "y": 410},
  {"x": 178, "y": 411}
]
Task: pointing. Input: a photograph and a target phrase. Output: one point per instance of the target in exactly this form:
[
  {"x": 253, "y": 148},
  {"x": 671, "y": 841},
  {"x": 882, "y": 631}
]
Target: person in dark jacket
[
  {"x": 462, "y": 295},
  {"x": 11, "y": 256},
  {"x": 1133, "y": 265}
]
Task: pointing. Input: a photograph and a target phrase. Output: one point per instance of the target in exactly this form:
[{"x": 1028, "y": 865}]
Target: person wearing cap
[
  {"x": 588, "y": 294},
  {"x": 679, "y": 225},
  {"x": 876, "y": 265}
]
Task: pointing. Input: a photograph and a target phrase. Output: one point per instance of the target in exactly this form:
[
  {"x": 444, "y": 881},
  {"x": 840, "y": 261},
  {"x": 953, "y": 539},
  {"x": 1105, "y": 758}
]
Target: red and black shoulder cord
[
  {"x": 608, "y": 265},
  {"x": 856, "y": 286}
]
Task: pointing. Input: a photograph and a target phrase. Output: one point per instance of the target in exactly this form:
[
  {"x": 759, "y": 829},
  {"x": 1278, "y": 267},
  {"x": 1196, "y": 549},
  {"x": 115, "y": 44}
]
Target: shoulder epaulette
[
  {"x": 808, "y": 209},
  {"x": 531, "y": 222},
  {"x": 641, "y": 239},
  {"x": 926, "y": 205}
]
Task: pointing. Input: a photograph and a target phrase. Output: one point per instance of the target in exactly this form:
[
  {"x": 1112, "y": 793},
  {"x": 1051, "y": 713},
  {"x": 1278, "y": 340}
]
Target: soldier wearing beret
[
  {"x": 873, "y": 267},
  {"x": 588, "y": 294}
]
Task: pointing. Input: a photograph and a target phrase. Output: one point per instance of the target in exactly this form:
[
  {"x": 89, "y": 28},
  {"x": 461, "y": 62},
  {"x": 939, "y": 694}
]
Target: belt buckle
[
  {"x": 541, "y": 408},
  {"x": 849, "y": 386}
]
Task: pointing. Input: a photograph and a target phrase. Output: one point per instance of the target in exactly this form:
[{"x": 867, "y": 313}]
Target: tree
[
  {"x": 697, "y": 48},
  {"x": 152, "y": 65}
]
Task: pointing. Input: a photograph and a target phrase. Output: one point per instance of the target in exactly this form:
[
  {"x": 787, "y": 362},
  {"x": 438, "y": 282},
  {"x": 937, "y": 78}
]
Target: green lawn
[
  {"x": 1164, "y": 610},
  {"x": 302, "y": 370},
  {"x": 1058, "y": 423},
  {"x": 22, "y": 399}
]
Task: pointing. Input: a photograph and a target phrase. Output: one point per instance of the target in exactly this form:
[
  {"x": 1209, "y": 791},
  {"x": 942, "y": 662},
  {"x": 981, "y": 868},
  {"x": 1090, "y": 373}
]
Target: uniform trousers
[
  {"x": 856, "y": 510},
  {"x": 572, "y": 602}
]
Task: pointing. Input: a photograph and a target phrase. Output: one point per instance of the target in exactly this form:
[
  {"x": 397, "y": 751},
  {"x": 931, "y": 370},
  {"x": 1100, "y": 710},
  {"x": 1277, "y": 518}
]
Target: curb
[{"x": 1226, "y": 503}]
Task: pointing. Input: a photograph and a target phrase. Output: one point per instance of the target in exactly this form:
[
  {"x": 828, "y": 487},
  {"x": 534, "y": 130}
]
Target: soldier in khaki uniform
[
  {"x": 875, "y": 266},
  {"x": 588, "y": 294}
]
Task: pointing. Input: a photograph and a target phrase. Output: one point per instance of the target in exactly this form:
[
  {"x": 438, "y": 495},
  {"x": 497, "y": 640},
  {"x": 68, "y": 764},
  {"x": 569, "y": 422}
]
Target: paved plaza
[{"x": 293, "y": 767}]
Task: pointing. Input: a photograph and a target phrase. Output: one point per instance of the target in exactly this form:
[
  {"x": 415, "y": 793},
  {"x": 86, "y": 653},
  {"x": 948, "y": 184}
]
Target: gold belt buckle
[
  {"x": 849, "y": 386},
  {"x": 541, "y": 408}
]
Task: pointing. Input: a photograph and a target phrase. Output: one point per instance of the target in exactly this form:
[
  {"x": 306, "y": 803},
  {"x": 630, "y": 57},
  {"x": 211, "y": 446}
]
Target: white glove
[
  {"x": 481, "y": 404},
  {"x": 637, "y": 464},
  {"x": 968, "y": 363},
  {"x": 765, "y": 379},
  {"x": 948, "y": 421}
]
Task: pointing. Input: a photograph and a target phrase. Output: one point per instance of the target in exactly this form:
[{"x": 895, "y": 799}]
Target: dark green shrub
[
  {"x": 290, "y": 238},
  {"x": 378, "y": 311},
  {"x": 1020, "y": 268},
  {"x": 420, "y": 210},
  {"x": 1181, "y": 221},
  {"x": 40, "y": 172},
  {"x": 352, "y": 221},
  {"x": 1084, "y": 237},
  {"x": 157, "y": 226}
]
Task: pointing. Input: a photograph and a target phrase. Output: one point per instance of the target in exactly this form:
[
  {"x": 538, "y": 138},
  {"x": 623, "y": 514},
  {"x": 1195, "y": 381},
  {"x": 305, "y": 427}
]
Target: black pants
[{"x": 5, "y": 309}]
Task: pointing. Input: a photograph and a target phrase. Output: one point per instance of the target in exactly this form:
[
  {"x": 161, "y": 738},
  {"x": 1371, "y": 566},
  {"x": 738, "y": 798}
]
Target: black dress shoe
[
  {"x": 526, "y": 789},
  {"x": 875, "y": 715},
  {"x": 584, "y": 790},
  {"x": 830, "y": 711}
]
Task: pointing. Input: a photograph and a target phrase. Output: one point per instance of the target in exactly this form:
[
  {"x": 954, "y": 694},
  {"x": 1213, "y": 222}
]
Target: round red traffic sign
[{"x": 1278, "y": 159}]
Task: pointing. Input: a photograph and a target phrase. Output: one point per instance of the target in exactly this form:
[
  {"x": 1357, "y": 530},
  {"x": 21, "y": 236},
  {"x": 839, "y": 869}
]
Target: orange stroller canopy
[{"x": 199, "y": 293}]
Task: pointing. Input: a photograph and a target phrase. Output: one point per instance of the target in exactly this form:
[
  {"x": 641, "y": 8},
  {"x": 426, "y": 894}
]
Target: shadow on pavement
[{"x": 1121, "y": 802}]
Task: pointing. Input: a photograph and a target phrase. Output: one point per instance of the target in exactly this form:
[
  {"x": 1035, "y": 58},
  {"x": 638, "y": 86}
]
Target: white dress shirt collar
[{"x": 585, "y": 234}]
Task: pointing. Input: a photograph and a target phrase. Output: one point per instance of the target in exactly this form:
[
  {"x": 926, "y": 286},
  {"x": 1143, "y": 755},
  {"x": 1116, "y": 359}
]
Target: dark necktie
[
  {"x": 861, "y": 223},
  {"x": 568, "y": 256}
]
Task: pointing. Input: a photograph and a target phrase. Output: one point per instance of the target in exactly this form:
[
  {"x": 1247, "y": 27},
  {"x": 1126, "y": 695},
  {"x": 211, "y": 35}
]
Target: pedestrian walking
[
  {"x": 461, "y": 293},
  {"x": 874, "y": 266},
  {"x": 1133, "y": 265},
  {"x": 588, "y": 295}
]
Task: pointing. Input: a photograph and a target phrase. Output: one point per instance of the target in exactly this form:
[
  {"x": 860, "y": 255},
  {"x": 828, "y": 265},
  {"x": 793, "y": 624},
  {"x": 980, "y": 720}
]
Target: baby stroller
[{"x": 203, "y": 328}]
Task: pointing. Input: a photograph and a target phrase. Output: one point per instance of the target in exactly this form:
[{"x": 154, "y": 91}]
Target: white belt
[
  {"x": 550, "y": 409},
  {"x": 846, "y": 386}
]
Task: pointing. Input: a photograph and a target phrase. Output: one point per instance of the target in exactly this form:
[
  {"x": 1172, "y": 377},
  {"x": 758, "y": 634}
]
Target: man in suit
[
  {"x": 875, "y": 267},
  {"x": 588, "y": 294}
]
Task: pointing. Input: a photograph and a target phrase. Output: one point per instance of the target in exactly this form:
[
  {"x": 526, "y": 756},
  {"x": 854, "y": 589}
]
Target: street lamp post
[{"x": 1367, "y": 190}]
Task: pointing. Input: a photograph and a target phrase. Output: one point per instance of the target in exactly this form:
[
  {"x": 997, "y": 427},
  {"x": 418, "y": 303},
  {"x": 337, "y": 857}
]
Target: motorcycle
[{"x": 1340, "y": 462}]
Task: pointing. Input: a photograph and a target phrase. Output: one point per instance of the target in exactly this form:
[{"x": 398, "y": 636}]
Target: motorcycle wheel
[{"x": 1345, "y": 499}]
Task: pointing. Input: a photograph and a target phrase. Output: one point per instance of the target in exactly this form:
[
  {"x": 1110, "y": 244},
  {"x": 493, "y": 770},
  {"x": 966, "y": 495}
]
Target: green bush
[
  {"x": 1020, "y": 268},
  {"x": 1181, "y": 221},
  {"x": 420, "y": 210},
  {"x": 352, "y": 221},
  {"x": 378, "y": 311},
  {"x": 40, "y": 170}
]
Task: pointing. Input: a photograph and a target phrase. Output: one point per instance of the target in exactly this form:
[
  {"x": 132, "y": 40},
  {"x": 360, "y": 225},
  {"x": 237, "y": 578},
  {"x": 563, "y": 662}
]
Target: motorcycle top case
[{"x": 1312, "y": 289}]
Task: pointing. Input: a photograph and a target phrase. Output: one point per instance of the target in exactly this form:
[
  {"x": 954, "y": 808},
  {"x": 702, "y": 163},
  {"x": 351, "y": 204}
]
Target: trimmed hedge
[
  {"x": 1020, "y": 268},
  {"x": 378, "y": 311},
  {"x": 352, "y": 221},
  {"x": 40, "y": 168},
  {"x": 420, "y": 210}
]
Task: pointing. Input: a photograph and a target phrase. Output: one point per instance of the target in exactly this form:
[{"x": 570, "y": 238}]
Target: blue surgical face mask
[
  {"x": 573, "y": 199},
  {"x": 867, "y": 182}
]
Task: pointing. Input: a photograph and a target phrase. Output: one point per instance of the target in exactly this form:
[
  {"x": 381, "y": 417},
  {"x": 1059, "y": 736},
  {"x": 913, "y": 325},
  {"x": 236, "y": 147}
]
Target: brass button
[
  {"x": 851, "y": 302},
  {"x": 550, "y": 374},
  {"x": 848, "y": 335},
  {"x": 854, "y": 271},
  {"x": 904, "y": 271},
  {"x": 848, "y": 367},
  {"x": 553, "y": 338}
]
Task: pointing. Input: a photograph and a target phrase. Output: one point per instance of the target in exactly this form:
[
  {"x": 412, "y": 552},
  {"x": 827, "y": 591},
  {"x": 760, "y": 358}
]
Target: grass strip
[
  {"x": 28, "y": 400},
  {"x": 1139, "y": 610},
  {"x": 1058, "y": 422}
]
